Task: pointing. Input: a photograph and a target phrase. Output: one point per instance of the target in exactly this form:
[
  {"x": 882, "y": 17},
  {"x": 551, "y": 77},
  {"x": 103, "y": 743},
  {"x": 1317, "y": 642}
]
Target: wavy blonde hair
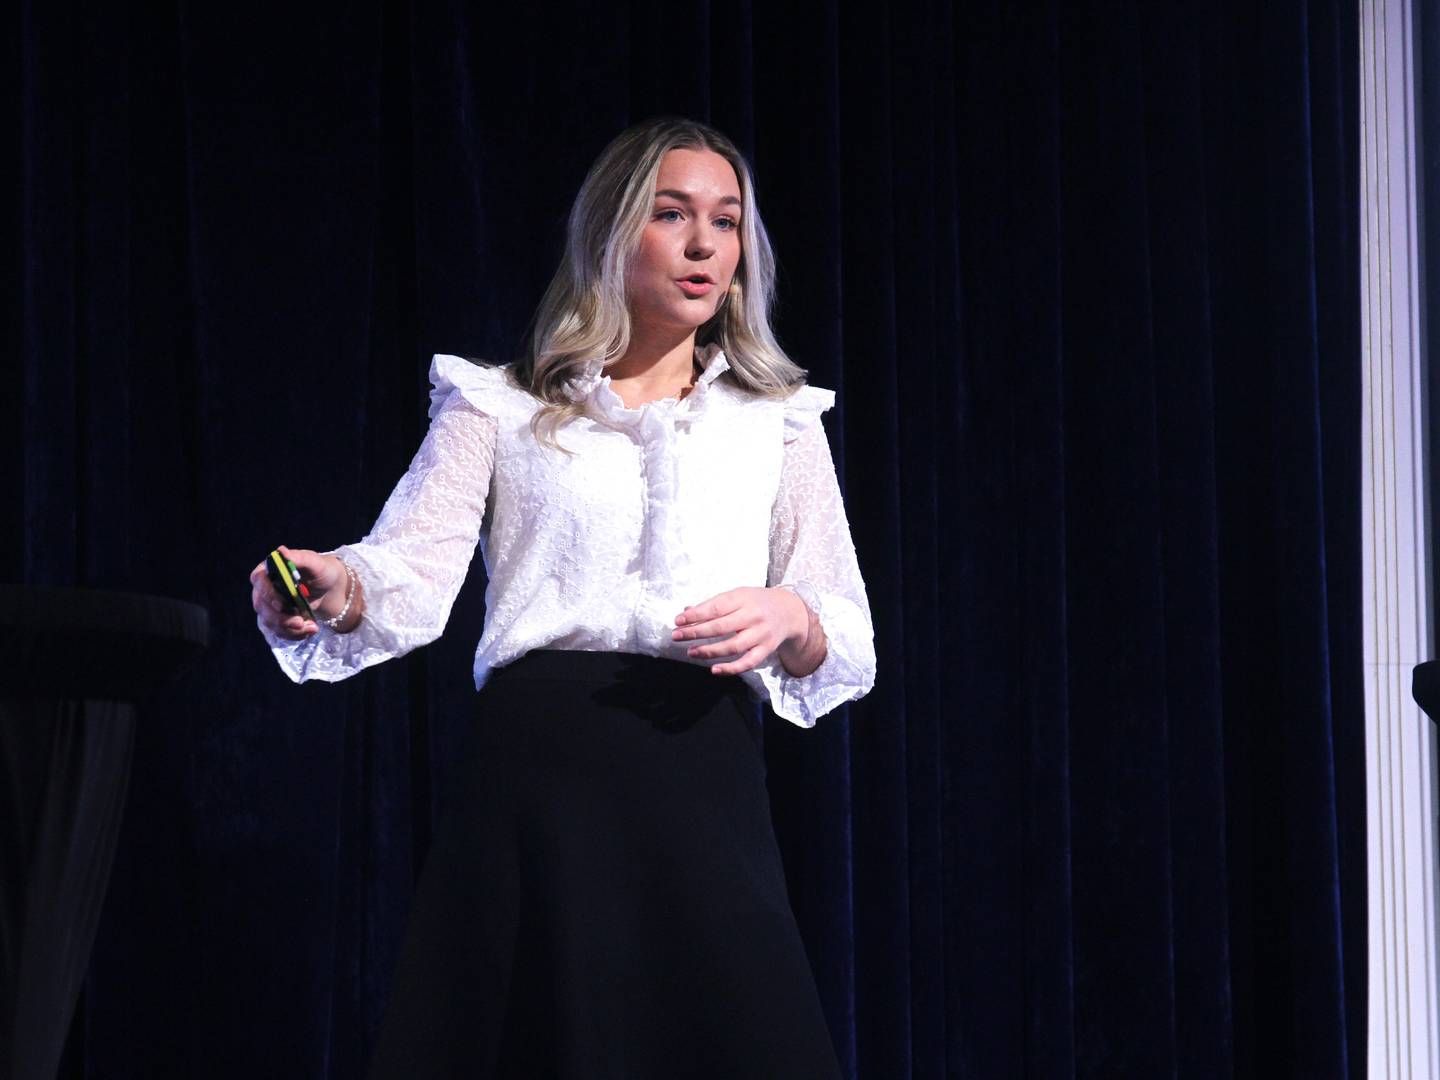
[{"x": 585, "y": 314}]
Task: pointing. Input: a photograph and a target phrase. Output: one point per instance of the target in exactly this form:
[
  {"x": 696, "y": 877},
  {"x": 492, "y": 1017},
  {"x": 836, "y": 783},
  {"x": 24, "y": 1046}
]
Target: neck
[{"x": 655, "y": 357}]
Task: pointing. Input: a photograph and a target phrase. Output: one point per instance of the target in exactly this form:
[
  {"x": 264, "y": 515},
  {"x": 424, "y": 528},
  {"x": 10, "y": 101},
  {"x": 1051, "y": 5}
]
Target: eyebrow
[{"x": 682, "y": 197}]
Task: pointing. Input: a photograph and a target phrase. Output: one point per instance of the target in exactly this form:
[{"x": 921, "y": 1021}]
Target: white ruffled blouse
[{"x": 658, "y": 508}]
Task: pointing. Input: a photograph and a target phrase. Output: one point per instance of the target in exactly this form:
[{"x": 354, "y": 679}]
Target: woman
[{"x": 659, "y": 515}]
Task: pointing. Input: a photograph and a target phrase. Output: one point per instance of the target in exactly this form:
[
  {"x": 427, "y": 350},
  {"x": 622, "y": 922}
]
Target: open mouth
[{"x": 695, "y": 285}]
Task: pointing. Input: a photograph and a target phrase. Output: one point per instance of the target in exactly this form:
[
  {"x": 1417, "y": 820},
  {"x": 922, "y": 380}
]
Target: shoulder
[
  {"x": 803, "y": 407},
  {"x": 487, "y": 387},
  {"x": 798, "y": 411}
]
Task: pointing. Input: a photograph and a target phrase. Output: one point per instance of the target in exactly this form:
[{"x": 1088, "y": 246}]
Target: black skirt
[{"x": 604, "y": 896}]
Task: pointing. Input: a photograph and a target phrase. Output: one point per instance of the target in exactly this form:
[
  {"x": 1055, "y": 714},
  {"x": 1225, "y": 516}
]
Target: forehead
[{"x": 702, "y": 174}]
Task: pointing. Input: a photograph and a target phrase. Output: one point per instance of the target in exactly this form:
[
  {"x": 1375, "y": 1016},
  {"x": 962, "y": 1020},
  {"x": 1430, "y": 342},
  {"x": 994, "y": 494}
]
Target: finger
[
  {"x": 300, "y": 556},
  {"x": 294, "y": 634},
  {"x": 263, "y": 595},
  {"x": 721, "y": 604},
  {"x": 730, "y": 647},
  {"x": 305, "y": 560},
  {"x": 316, "y": 569},
  {"x": 725, "y": 624},
  {"x": 752, "y": 659}
]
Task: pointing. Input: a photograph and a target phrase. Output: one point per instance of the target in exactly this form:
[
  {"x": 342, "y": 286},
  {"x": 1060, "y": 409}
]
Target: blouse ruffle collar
[{"x": 592, "y": 385}]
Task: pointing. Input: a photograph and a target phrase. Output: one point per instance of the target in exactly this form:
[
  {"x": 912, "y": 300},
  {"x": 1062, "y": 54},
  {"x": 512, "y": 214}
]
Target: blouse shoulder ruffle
[
  {"x": 803, "y": 409},
  {"x": 487, "y": 388}
]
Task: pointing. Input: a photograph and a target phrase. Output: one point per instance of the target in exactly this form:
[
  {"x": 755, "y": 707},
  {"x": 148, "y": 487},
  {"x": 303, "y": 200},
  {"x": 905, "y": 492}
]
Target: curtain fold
[{"x": 1086, "y": 280}]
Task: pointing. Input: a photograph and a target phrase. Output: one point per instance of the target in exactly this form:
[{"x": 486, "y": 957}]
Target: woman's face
[{"x": 691, "y": 244}]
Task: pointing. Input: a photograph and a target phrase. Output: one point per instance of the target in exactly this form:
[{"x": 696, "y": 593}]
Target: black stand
[
  {"x": 74, "y": 664},
  {"x": 1425, "y": 686}
]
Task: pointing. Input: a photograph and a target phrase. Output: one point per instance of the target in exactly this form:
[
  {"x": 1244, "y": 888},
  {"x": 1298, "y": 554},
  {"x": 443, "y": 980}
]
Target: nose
[{"x": 698, "y": 246}]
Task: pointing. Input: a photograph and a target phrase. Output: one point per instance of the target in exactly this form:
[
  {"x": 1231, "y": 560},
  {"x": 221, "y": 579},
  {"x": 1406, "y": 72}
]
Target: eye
[
  {"x": 670, "y": 214},
  {"x": 727, "y": 223}
]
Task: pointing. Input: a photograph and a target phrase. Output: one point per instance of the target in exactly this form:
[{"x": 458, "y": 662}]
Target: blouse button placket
[{"x": 663, "y": 559}]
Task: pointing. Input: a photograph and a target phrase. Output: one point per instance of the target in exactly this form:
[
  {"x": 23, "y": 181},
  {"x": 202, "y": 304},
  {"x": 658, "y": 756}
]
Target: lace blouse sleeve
[
  {"x": 414, "y": 560},
  {"x": 811, "y": 552}
]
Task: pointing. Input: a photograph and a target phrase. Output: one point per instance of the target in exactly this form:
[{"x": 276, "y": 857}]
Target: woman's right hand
[{"x": 321, "y": 574}]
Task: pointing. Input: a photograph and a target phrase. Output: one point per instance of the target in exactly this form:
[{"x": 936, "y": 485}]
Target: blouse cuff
[
  {"x": 328, "y": 656},
  {"x": 846, "y": 673}
]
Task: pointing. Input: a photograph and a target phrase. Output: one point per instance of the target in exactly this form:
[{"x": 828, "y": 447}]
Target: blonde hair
[{"x": 584, "y": 314}]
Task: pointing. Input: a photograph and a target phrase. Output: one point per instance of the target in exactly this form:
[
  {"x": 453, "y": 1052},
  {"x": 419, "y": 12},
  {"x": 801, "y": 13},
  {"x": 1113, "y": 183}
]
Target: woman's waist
[
  {"x": 551, "y": 664},
  {"x": 645, "y": 627}
]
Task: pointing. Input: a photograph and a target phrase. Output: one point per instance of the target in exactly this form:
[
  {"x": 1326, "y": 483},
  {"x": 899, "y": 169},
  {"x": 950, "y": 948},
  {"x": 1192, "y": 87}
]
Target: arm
[
  {"x": 813, "y": 557},
  {"x": 410, "y": 567}
]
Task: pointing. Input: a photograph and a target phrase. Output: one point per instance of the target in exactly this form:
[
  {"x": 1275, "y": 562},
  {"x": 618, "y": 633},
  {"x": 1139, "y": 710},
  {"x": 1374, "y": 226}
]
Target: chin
[{"x": 689, "y": 318}]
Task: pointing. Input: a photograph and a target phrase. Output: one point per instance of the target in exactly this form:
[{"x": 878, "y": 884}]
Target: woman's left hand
[{"x": 758, "y": 621}]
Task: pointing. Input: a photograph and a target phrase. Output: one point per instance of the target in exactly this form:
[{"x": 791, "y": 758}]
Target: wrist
[
  {"x": 798, "y": 622},
  {"x": 332, "y": 599},
  {"x": 803, "y": 653},
  {"x": 338, "y": 609}
]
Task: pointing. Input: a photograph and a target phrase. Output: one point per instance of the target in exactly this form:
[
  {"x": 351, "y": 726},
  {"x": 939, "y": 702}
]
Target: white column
[{"x": 1399, "y": 740}]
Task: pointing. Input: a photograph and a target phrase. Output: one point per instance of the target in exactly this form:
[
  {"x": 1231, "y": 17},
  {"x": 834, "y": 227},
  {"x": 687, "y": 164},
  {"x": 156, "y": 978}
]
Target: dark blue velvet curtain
[
  {"x": 1427, "y": 121},
  {"x": 1086, "y": 279}
]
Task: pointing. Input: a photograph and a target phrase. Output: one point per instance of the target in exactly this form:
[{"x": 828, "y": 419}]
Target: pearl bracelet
[{"x": 349, "y": 598}]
